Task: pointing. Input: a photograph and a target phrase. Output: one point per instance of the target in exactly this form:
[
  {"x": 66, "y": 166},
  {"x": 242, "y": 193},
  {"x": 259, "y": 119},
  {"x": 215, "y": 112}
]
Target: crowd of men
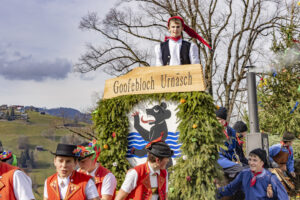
[
  {"x": 251, "y": 178},
  {"x": 79, "y": 175},
  {"x": 89, "y": 180}
]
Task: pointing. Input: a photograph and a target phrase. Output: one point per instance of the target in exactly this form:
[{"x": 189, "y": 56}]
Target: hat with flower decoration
[
  {"x": 5, "y": 155},
  {"x": 88, "y": 149}
]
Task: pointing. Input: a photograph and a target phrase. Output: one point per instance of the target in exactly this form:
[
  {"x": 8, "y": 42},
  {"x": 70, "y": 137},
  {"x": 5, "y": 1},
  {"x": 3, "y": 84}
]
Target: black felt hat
[
  {"x": 262, "y": 154},
  {"x": 240, "y": 127},
  {"x": 287, "y": 136},
  {"x": 65, "y": 150},
  {"x": 160, "y": 149},
  {"x": 221, "y": 113}
]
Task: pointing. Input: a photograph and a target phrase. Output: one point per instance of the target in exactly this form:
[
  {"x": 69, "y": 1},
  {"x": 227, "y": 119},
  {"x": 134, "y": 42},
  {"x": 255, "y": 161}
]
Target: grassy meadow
[{"x": 12, "y": 131}]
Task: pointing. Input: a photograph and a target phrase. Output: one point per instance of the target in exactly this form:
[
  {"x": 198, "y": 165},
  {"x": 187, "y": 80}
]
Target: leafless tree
[
  {"x": 49, "y": 133},
  {"x": 72, "y": 139},
  {"x": 85, "y": 131},
  {"x": 236, "y": 30}
]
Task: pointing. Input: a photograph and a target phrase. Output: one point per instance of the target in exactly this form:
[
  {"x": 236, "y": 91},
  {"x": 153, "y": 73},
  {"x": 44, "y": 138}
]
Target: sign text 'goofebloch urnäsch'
[{"x": 147, "y": 80}]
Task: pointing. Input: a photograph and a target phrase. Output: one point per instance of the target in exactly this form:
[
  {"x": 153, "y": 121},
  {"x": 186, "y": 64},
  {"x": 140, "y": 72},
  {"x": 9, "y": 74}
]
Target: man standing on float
[{"x": 175, "y": 51}]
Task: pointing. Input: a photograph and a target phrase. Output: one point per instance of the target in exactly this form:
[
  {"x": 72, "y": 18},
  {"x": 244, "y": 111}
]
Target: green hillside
[{"x": 11, "y": 131}]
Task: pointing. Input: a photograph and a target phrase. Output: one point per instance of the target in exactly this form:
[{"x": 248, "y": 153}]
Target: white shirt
[
  {"x": 90, "y": 189},
  {"x": 174, "y": 48},
  {"x": 22, "y": 186},
  {"x": 109, "y": 183},
  {"x": 131, "y": 178}
]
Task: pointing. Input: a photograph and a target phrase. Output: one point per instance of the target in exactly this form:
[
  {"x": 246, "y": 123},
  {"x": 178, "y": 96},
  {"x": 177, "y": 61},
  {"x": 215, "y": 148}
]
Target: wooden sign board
[{"x": 164, "y": 79}]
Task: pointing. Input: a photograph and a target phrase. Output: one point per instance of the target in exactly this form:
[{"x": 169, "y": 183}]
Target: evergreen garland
[{"x": 193, "y": 176}]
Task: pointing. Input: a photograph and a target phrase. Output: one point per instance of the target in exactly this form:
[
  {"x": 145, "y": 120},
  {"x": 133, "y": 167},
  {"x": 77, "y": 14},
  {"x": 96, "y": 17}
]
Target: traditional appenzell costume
[
  {"x": 14, "y": 183},
  {"x": 229, "y": 157},
  {"x": 240, "y": 127},
  {"x": 283, "y": 155},
  {"x": 175, "y": 51},
  {"x": 255, "y": 185},
  {"x": 77, "y": 186},
  {"x": 105, "y": 181},
  {"x": 143, "y": 182}
]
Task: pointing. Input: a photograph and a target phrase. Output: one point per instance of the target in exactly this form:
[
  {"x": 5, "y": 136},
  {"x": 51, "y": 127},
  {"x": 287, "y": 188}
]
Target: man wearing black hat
[
  {"x": 282, "y": 156},
  {"x": 241, "y": 131},
  {"x": 148, "y": 181},
  {"x": 229, "y": 158},
  {"x": 257, "y": 182},
  {"x": 67, "y": 183}
]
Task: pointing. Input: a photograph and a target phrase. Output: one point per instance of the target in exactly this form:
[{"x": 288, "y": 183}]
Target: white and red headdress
[{"x": 190, "y": 31}]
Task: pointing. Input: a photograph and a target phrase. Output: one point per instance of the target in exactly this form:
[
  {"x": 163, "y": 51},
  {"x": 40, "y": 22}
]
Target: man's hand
[
  {"x": 270, "y": 191},
  {"x": 293, "y": 174}
]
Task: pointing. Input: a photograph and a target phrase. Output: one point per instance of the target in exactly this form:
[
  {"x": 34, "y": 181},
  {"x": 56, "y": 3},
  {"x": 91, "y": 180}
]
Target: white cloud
[
  {"x": 40, "y": 39},
  {"x": 15, "y": 66}
]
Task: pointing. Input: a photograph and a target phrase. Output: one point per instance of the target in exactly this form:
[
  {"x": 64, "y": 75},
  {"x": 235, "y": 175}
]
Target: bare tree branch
[{"x": 234, "y": 29}]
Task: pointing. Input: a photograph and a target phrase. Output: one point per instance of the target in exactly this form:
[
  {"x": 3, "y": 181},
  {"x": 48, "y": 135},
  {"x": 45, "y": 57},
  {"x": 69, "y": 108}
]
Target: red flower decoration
[
  {"x": 113, "y": 134},
  {"x": 188, "y": 178}
]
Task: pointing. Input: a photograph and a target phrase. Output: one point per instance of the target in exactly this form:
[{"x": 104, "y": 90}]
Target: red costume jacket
[
  {"x": 100, "y": 174},
  {"x": 6, "y": 181},
  {"x": 143, "y": 189},
  {"x": 76, "y": 187}
]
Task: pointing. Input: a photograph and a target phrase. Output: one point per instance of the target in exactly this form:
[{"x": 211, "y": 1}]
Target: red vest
[
  {"x": 6, "y": 181},
  {"x": 143, "y": 188},
  {"x": 76, "y": 187},
  {"x": 100, "y": 174}
]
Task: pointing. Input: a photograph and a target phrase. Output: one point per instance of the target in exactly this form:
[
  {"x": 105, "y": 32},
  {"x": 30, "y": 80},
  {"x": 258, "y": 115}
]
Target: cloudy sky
[{"x": 39, "y": 43}]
